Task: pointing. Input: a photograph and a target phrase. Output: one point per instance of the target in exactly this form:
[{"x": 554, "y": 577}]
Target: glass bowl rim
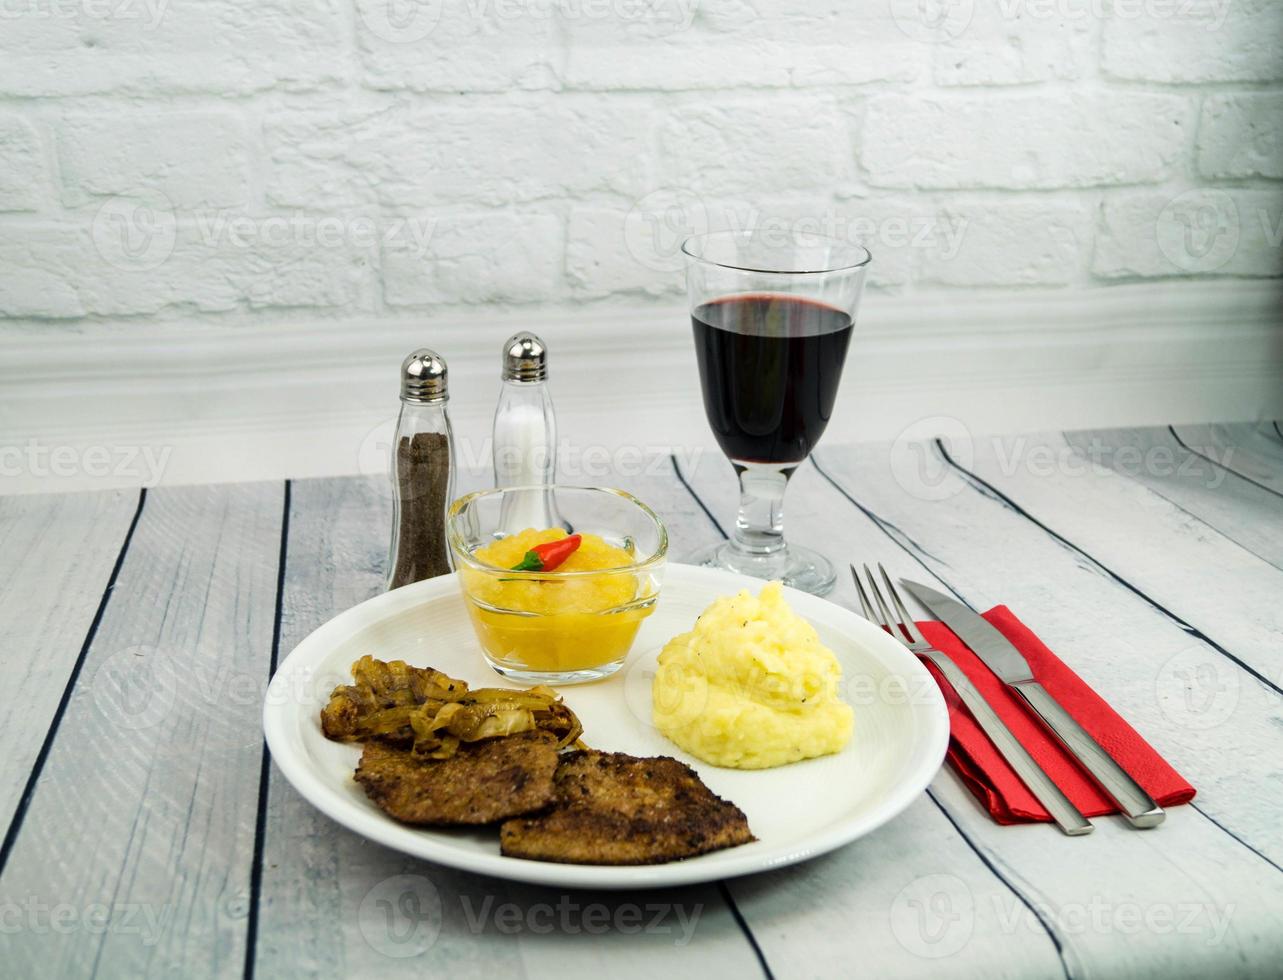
[
  {"x": 864, "y": 255},
  {"x": 460, "y": 551}
]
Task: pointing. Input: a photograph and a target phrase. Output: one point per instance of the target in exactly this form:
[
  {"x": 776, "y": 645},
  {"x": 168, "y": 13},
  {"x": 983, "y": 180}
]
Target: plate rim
[{"x": 281, "y": 717}]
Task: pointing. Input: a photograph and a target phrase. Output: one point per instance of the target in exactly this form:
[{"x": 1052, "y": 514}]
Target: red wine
[{"x": 769, "y": 365}]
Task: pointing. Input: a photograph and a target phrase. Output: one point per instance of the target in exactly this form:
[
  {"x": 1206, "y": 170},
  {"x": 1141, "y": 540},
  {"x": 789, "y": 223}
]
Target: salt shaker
[
  {"x": 422, "y": 472},
  {"x": 525, "y": 436}
]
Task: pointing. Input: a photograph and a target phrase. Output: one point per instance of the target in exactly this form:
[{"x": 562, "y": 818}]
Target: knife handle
[
  {"x": 1137, "y": 806},
  {"x": 1062, "y": 810}
]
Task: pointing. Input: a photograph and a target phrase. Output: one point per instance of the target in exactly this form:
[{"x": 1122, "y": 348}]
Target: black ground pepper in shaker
[{"x": 422, "y": 472}]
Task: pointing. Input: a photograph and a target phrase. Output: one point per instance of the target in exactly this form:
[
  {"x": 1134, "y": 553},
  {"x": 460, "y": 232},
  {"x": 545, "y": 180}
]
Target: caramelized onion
[{"x": 434, "y": 713}]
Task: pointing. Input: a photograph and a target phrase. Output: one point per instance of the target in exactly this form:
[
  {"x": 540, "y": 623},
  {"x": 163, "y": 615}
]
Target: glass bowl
[{"x": 558, "y": 627}]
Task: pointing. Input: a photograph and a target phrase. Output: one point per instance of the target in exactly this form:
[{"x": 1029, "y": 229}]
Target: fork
[{"x": 901, "y": 626}]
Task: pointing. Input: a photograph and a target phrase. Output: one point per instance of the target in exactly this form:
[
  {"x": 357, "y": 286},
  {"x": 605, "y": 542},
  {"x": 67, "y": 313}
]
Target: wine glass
[{"x": 773, "y": 312}]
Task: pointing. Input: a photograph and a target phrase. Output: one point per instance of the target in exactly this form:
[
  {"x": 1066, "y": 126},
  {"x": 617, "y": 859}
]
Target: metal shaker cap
[
  {"x": 525, "y": 358},
  {"x": 423, "y": 377}
]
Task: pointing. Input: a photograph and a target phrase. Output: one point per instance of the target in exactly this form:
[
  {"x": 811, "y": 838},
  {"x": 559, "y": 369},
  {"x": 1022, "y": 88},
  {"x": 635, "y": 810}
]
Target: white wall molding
[{"x": 303, "y": 398}]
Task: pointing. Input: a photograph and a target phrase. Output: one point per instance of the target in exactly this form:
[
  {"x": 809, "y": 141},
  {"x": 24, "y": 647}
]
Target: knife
[
  {"x": 1011, "y": 667},
  {"x": 1067, "y": 816}
]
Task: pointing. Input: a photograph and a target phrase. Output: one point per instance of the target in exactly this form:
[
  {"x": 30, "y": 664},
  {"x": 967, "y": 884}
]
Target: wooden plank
[
  {"x": 1207, "y": 580},
  {"x": 876, "y": 901},
  {"x": 1218, "y": 725},
  {"x": 134, "y": 855},
  {"x": 988, "y": 553},
  {"x": 332, "y": 903},
  {"x": 1253, "y": 450},
  {"x": 57, "y": 553},
  {"x": 1247, "y": 514}
]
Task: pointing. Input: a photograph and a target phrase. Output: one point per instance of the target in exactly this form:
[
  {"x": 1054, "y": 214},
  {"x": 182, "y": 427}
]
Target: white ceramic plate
[{"x": 796, "y": 811}]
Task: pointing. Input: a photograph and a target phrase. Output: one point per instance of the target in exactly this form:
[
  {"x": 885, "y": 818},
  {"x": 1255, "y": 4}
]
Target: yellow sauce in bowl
[{"x": 556, "y": 621}]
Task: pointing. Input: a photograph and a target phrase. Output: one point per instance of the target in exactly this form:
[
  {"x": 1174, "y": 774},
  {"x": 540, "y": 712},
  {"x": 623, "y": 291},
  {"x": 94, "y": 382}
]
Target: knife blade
[{"x": 1010, "y": 666}]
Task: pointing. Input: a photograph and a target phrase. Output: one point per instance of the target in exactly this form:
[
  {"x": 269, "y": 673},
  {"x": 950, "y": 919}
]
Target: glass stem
[{"x": 759, "y": 526}]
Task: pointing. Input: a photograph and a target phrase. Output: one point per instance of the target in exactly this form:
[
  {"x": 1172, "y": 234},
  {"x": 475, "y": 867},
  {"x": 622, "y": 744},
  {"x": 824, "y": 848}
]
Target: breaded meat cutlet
[
  {"x": 612, "y": 808},
  {"x": 482, "y": 783}
]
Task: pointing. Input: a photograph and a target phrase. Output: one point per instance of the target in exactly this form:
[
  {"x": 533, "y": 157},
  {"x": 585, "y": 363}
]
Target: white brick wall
[
  {"x": 22, "y": 176},
  {"x": 223, "y": 160},
  {"x": 1241, "y": 135},
  {"x": 194, "y": 159},
  {"x": 1194, "y": 41},
  {"x": 155, "y": 48},
  {"x": 1200, "y": 232}
]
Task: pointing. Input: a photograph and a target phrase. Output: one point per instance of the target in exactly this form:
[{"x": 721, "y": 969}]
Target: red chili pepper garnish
[{"x": 546, "y": 557}]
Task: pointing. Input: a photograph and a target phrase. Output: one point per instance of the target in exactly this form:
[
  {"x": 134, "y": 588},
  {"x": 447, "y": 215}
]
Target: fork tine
[
  {"x": 906, "y": 621},
  {"x": 888, "y": 620},
  {"x": 869, "y": 614}
]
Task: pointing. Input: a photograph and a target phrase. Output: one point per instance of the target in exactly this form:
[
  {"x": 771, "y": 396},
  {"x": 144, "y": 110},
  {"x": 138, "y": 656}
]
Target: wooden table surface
[{"x": 147, "y": 833}]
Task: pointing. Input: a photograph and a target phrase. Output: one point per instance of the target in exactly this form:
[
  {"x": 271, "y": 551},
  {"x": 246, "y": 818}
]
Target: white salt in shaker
[{"x": 525, "y": 436}]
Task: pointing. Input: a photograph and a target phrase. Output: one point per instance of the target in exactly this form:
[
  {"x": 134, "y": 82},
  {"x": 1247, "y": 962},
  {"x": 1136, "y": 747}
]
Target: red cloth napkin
[{"x": 987, "y": 774}]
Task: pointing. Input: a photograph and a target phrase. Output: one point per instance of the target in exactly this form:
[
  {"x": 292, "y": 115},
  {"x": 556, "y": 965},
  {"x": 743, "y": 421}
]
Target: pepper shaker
[
  {"x": 525, "y": 436},
  {"x": 422, "y": 472}
]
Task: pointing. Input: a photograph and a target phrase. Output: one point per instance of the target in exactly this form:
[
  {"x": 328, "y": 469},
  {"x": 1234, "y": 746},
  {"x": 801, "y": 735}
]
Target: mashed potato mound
[{"x": 751, "y": 686}]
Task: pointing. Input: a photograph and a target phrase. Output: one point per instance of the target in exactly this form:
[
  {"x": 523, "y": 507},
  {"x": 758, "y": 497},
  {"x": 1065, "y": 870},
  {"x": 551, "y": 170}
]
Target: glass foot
[{"x": 797, "y": 567}]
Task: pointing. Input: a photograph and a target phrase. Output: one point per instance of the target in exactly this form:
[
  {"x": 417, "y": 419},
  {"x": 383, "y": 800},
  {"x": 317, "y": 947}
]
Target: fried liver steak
[
  {"x": 482, "y": 783},
  {"x": 613, "y": 808}
]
